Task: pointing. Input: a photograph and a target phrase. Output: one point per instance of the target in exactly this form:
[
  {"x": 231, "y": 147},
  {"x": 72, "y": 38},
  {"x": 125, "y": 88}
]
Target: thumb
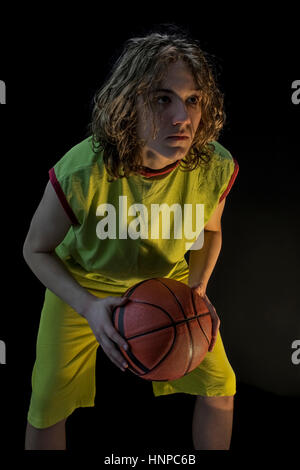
[
  {"x": 116, "y": 302},
  {"x": 119, "y": 300}
]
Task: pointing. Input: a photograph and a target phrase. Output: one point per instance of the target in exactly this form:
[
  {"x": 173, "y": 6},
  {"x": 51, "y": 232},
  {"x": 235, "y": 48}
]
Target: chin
[
  {"x": 170, "y": 154},
  {"x": 179, "y": 154},
  {"x": 175, "y": 152}
]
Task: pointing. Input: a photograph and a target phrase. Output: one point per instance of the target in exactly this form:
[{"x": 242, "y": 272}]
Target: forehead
[{"x": 179, "y": 75}]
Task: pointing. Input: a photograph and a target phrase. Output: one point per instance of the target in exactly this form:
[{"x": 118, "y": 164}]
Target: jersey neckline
[{"x": 148, "y": 172}]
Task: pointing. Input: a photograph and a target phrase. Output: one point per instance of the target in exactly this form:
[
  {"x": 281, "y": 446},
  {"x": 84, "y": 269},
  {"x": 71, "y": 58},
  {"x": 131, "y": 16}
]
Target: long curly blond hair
[{"x": 139, "y": 69}]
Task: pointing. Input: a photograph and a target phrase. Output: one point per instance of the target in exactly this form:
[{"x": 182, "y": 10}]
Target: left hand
[{"x": 200, "y": 288}]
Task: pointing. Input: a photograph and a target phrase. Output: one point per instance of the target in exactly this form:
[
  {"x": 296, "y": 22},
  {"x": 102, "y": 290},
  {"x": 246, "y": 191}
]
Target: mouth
[{"x": 178, "y": 137}]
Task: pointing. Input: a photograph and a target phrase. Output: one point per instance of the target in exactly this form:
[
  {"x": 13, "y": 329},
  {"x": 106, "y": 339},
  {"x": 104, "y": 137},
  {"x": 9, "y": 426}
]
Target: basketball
[{"x": 167, "y": 327}]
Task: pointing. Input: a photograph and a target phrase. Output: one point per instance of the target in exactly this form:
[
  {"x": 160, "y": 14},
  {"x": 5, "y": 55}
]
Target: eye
[
  {"x": 163, "y": 99},
  {"x": 195, "y": 100}
]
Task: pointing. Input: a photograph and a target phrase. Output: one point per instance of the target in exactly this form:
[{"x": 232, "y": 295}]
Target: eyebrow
[{"x": 166, "y": 90}]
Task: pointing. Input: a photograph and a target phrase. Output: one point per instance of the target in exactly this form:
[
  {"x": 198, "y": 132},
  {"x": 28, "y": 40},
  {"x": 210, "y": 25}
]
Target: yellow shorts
[{"x": 63, "y": 376}]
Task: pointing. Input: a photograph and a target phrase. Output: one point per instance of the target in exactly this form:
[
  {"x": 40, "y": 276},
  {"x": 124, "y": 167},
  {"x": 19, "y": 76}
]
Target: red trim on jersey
[
  {"x": 231, "y": 181},
  {"x": 148, "y": 172},
  {"x": 61, "y": 196}
]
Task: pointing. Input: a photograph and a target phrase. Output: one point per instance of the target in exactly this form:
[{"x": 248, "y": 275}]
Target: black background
[{"x": 52, "y": 62}]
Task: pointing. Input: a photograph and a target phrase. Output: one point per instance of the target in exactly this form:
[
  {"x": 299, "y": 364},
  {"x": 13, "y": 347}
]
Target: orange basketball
[{"x": 167, "y": 327}]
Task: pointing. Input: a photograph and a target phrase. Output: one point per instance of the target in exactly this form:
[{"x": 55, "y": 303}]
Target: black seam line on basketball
[
  {"x": 129, "y": 354},
  {"x": 121, "y": 313},
  {"x": 137, "y": 285},
  {"x": 121, "y": 324},
  {"x": 162, "y": 359},
  {"x": 121, "y": 328},
  {"x": 173, "y": 324},
  {"x": 198, "y": 320},
  {"x": 190, "y": 333},
  {"x": 137, "y": 362},
  {"x": 122, "y": 331},
  {"x": 144, "y": 303},
  {"x": 122, "y": 307}
]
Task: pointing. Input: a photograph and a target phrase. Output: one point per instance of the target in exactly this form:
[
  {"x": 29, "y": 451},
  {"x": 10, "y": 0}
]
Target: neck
[
  {"x": 155, "y": 161},
  {"x": 148, "y": 172}
]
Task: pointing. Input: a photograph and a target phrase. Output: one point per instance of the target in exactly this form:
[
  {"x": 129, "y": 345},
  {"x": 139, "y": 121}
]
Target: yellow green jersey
[{"x": 136, "y": 227}]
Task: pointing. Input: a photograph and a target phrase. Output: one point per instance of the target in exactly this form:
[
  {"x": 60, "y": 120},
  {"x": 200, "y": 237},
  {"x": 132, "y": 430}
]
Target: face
[{"x": 177, "y": 114}]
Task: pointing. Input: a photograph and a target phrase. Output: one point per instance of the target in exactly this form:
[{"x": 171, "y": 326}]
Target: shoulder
[
  {"x": 221, "y": 155},
  {"x": 80, "y": 158},
  {"x": 222, "y": 162},
  {"x": 224, "y": 169}
]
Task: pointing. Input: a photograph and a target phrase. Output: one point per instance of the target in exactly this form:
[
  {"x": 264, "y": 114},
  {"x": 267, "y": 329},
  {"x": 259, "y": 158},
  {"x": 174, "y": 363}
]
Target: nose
[{"x": 180, "y": 114}]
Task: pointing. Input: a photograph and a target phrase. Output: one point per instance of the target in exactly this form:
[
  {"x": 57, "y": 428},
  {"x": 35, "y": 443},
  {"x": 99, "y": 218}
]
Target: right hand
[{"x": 98, "y": 313}]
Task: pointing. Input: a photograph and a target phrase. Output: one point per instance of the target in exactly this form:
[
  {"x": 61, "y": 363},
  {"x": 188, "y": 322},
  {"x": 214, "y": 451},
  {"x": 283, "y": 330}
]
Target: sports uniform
[{"x": 110, "y": 247}]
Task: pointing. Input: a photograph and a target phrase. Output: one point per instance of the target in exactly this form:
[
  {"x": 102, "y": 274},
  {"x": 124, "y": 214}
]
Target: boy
[{"x": 152, "y": 141}]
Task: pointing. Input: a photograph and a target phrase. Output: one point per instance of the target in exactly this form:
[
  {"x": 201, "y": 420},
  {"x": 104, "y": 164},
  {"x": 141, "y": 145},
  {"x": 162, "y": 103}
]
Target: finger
[
  {"x": 113, "y": 334},
  {"x": 212, "y": 343},
  {"x": 116, "y": 338},
  {"x": 113, "y": 353},
  {"x": 116, "y": 301},
  {"x": 124, "y": 300},
  {"x": 212, "y": 310},
  {"x": 208, "y": 303},
  {"x": 215, "y": 325},
  {"x": 214, "y": 331}
]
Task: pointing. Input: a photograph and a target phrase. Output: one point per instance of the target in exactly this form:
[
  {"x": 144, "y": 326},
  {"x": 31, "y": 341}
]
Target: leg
[
  {"x": 52, "y": 438},
  {"x": 63, "y": 376},
  {"x": 212, "y": 423},
  {"x": 213, "y": 416}
]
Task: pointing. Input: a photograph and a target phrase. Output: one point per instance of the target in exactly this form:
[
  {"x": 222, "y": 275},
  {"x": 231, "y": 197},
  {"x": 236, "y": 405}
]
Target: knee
[
  {"x": 221, "y": 402},
  {"x": 32, "y": 428}
]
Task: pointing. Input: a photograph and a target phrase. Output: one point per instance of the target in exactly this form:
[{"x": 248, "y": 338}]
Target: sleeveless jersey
[{"x": 138, "y": 227}]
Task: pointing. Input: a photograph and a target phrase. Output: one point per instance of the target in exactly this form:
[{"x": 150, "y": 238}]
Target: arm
[
  {"x": 202, "y": 262},
  {"x": 48, "y": 228}
]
